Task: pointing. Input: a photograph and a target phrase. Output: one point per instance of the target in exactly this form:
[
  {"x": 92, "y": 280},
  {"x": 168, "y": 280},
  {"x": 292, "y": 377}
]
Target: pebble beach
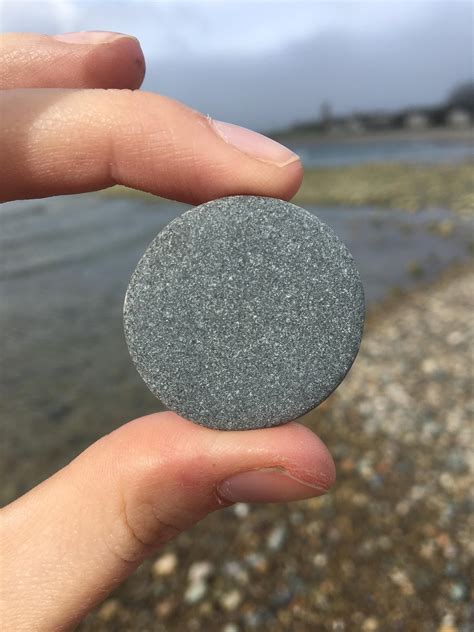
[{"x": 390, "y": 548}]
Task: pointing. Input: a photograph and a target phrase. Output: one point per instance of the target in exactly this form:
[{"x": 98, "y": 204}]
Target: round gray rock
[{"x": 245, "y": 312}]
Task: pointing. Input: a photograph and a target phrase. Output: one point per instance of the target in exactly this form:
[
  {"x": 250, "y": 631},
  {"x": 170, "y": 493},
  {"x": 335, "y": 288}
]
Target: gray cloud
[{"x": 416, "y": 63}]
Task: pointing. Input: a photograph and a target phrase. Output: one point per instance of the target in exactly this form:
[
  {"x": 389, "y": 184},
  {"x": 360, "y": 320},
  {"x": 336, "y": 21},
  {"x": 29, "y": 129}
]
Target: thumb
[{"x": 72, "y": 539}]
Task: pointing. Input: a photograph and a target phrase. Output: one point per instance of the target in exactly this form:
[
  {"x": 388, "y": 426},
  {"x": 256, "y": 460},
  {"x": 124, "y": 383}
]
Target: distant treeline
[{"x": 456, "y": 111}]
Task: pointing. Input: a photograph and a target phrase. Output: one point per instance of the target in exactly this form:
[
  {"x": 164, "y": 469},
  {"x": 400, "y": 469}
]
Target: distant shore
[{"x": 441, "y": 134}]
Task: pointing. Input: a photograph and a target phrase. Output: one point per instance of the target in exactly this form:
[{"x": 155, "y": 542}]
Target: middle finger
[{"x": 93, "y": 59}]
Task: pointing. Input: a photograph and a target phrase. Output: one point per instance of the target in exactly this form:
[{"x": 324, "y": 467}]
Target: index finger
[{"x": 58, "y": 141}]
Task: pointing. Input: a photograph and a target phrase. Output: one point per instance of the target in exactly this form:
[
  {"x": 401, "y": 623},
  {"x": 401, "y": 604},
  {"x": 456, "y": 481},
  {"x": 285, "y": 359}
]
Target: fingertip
[
  {"x": 118, "y": 63},
  {"x": 293, "y": 173},
  {"x": 136, "y": 64},
  {"x": 92, "y": 59},
  {"x": 279, "y": 167},
  {"x": 305, "y": 455}
]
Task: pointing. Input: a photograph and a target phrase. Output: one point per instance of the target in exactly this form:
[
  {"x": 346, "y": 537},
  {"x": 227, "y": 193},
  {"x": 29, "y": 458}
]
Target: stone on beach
[
  {"x": 244, "y": 312},
  {"x": 165, "y": 565},
  {"x": 196, "y": 591},
  {"x": 200, "y": 571}
]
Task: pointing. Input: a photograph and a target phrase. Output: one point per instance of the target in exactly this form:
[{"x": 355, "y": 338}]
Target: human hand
[{"x": 72, "y": 539}]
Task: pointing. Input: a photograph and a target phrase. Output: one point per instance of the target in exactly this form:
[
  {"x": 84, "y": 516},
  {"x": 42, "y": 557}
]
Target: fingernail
[
  {"x": 254, "y": 144},
  {"x": 269, "y": 485},
  {"x": 90, "y": 37}
]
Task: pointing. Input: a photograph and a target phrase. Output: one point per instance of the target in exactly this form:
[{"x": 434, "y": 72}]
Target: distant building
[
  {"x": 458, "y": 118},
  {"x": 336, "y": 129},
  {"x": 325, "y": 115},
  {"x": 380, "y": 121},
  {"x": 416, "y": 121},
  {"x": 354, "y": 125}
]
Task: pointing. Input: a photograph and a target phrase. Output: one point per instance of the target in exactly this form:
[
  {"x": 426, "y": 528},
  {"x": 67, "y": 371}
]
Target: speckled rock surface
[{"x": 244, "y": 312}]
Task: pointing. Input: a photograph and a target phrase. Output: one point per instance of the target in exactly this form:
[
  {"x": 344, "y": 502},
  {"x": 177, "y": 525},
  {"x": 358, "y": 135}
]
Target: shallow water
[
  {"x": 337, "y": 153},
  {"x": 66, "y": 240},
  {"x": 66, "y": 375}
]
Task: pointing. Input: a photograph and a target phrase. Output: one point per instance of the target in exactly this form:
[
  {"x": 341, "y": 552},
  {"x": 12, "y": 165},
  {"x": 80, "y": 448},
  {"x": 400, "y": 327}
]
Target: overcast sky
[{"x": 267, "y": 64}]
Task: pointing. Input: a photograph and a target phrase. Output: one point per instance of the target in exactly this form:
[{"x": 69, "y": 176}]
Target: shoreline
[
  {"x": 398, "y": 298},
  {"x": 402, "y": 186},
  {"x": 433, "y": 134}
]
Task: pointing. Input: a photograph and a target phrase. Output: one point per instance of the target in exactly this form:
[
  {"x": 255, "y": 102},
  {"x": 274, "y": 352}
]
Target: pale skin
[{"x": 73, "y": 120}]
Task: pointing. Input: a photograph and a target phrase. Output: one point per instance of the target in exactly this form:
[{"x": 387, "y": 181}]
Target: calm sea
[{"x": 338, "y": 153}]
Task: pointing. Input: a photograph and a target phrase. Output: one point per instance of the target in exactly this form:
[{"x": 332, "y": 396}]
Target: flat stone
[{"x": 244, "y": 312}]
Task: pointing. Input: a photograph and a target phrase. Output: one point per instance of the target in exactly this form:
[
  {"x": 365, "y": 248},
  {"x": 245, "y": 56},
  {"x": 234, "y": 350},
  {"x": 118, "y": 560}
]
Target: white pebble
[
  {"x": 276, "y": 538},
  {"x": 231, "y": 600},
  {"x": 370, "y": 625},
  {"x": 165, "y": 565},
  {"x": 195, "y": 592},
  {"x": 200, "y": 571},
  {"x": 320, "y": 560},
  {"x": 241, "y": 510},
  {"x": 429, "y": 366}
]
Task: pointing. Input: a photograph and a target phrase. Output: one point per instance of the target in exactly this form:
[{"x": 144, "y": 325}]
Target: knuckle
[{"x": 137, "y": 530}]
